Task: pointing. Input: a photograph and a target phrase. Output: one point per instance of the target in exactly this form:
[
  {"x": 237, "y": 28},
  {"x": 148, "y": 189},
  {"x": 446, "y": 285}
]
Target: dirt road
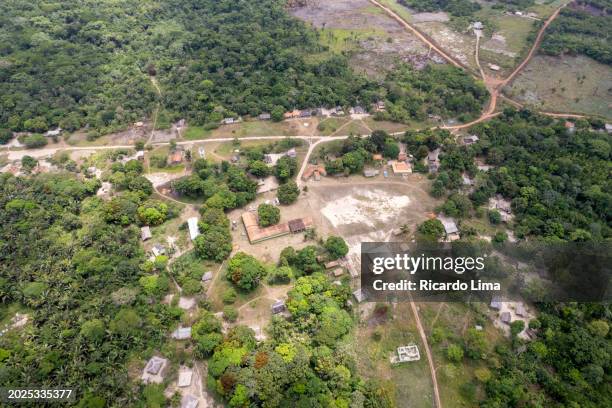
[
  {"x": 432, "y": 367},
  {"x": 536, "y": 45},
  {"x": 421, "y": 36}
]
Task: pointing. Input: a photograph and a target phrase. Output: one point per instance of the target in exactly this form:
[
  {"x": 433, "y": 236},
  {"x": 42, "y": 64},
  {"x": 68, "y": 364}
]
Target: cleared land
[
  {"x": 565, "y": 84},
  {"x": 375, "y": 41}
]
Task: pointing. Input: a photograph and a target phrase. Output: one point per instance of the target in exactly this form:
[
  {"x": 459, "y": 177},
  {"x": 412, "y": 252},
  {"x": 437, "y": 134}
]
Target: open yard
[
  {"x": 565, "y": 84},
  {"x": 381, "y": 330}
]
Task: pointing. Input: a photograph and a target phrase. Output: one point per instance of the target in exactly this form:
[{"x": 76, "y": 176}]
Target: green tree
[
  {"x": 28, "y": 163},
  {"x": 268, "y": 214},
  {"x": 214, "y": 244},
  {"x": 93, "y": 330},
  {"x": 245, "y": 271},
  {"x": 336, "y": 247},
  {"x": 432, "y": 229},
  {"x": 288, "y": 193},
  {"x": 454, "y": 353}
]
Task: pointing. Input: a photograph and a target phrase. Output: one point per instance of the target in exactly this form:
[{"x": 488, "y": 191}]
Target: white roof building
[
  {"x": 145, "y": 233},
  {"x": 184, "y": 377},
  {"x": 182, "y": 333},
  {"x": 194, "y": 231},
  {"x": 154, "y": 370},
  {"x": 450, "y": 227}
]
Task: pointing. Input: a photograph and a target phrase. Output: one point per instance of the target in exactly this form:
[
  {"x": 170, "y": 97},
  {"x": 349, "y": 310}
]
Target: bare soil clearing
[{"x": 376, "y": 40}]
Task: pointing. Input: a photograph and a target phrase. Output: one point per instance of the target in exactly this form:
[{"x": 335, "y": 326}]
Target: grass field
[
  {"x": 458, "y": 386},
  {"x": 252, "y": 128},
  {"x": 376, "y": 339},
  {"x": 402, "y": 11},
  {"x": 340, "y": 40},
  {"x": 565, "y": 84}
]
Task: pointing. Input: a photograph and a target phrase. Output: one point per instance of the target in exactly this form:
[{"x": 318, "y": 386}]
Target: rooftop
[
  {"x": 450, "y": 227},
  {"x": 194, "y": 231}
]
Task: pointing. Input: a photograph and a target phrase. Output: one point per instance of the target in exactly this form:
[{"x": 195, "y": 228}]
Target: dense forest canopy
[
  {"x": 82, "y": 274},
  {"x": 454, "y": 7},
  {"x": 98, "y": 63},
  {"x": 582, "y": 28},
  {"x": 556, "y": 179}
]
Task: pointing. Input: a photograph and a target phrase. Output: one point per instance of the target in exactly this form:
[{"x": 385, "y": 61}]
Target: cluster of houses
[
  {"x": 156, "y": 369},
  {"x": 378, "y": 106},
  {"x": 506, "y": 312}
]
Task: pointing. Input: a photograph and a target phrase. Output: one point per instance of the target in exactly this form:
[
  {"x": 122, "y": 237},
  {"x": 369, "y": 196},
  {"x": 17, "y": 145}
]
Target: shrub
[
  {"x": 229, "y": 296},
  {"x": 230, "y": 313}
]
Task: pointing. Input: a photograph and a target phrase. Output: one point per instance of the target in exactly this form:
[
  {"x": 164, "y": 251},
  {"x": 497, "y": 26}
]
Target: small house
[
  {"x": 494, "y": 67},
  {"x": 359, "y": 295},
  {"x": 496, "y": 303},
  {"x": 369, "y": 173},
  {"x": 194, "y": 231},
  {"x": 401, "y": 167},
  {"x": 158, "y": 250},
  {"x": 145, "y": 233},
  {"x": 478, "y": 25},
  {"x": 235, "y": 158},
  {"x": 189, "y": 401},
  {"x": 433, "y": 160},
  {"x": 570, "y": 126},
  {"x": 207, "y": 277},
  {"x": 358, "y": 110},
  {"x": 228, "y": 121},
  {"x": 450, "y": 228},
  {"x": 506, "y": 317},
  {"x": 175, "y": 158},
  {"x": 608, "y": 127},
  {"x": 467, "y": 181},
  {"x": 306, "y": 113},
  {"x": 54, "y": 132},
  {"x": 338, "y": 272},
  {"x": 291, "y": 115},
  {"x": 377, "y": 157},
  {"x": 140, "y": 155},
  {"x": 154, "y": 370},
  {"x": 379, "y": 106},
  {"x": 300, "y": 225},
  {"x": 332, "y": 264},
  {"x": 182, "y": 333},
  {"x": 278, "y": 307},
  {"x": 520, "y": 310},
  {"x": 184, "y": 377},
  {"x": 264, "y": 116},
  {"x": 471, "y": 139},
  {"x": 291, "y": 153}
]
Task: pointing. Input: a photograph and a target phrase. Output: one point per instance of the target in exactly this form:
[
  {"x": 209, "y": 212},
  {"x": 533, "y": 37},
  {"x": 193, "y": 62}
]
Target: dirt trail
[
  {"x": 156, "y": 113},
  {"x": 536, "y": 45},
  {"x": 419, "y": 34},
  {"x": 432, "y": 367}
]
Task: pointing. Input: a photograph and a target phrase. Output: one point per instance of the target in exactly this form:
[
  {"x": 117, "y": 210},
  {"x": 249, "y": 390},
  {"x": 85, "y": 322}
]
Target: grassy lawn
[
  {"x": 458, "y": 386},
  {"x": 402, "y": 11},
  {"x": 374, "y": 341},
  {"x": 341, "y": 39},
  {"x": 565, "y": 84},
  {"x": 196, "y": 133},
  {"x": 329, "y": 125}
]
